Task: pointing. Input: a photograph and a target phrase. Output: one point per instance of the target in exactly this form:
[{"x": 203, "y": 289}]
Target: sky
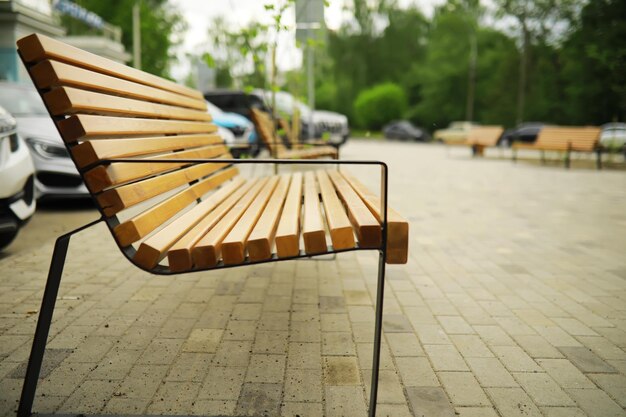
[{"x": 199, "y": 14}]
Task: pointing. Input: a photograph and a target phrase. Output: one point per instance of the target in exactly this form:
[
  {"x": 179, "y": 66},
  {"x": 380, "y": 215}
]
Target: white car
[
  {"x": 613, "y": 136},
  {"x": 17, "y": 202},
  {"x": 56, "y": 175}
]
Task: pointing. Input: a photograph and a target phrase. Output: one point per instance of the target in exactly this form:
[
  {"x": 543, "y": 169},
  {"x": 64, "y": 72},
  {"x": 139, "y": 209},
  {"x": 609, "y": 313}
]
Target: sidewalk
[{"x": 513, "y": 303}]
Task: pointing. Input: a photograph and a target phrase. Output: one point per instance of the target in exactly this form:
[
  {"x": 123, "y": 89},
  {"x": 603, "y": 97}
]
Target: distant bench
[
  {"x": 481, "y": 137},
  {"x": 172, "y": 196},
  {"x": 266, "y": 130},
  {"x": 566, "y": 139}
]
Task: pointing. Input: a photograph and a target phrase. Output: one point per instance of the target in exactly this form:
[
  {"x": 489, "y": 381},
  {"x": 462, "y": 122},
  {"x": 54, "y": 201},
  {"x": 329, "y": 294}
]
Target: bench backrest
[
  {"x": 266, "y": 130},
  {"x": 580, "y": 138},
  {"x": 106, "y": 111},
  {"x": 484, "y": 135},
  {"x": 286, "y": 127}
]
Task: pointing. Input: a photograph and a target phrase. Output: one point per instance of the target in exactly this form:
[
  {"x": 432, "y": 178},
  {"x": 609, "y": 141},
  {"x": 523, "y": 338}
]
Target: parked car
[
  {"x": 241, "y": 136},
  {"x": 326, "y": 124},
  {"x": 405, "y": 130},
  {"x": 524, "y": 132},
  {"x": 56, "y": 175},
  {"x": 613, "y": 136},
  {"x": 333, "y": 125},
  {"x": 455, "y": 133},
  {"x": 17, "y": 202}
]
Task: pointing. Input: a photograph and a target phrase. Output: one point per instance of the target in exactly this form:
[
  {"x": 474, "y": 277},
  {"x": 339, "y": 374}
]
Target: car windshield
[
  {"x": 21, "y": 101},
  {"x": 213, "y": 109},
  {"x": 285, "y": 102}
]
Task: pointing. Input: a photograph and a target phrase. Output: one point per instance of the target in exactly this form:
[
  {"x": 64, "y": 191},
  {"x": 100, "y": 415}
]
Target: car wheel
[{"x": 9, "y": 230}]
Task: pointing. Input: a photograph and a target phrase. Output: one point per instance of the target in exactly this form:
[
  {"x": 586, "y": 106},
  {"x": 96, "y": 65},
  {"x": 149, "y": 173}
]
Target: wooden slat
[
  {"x": 49, "y": 74},
  {"x": 398, "y": 227},
  {"x": 312, "y": 226},
  {"x": 234, "y": 244},
  {"x": 117, "y": 199},
  {"x": 105, "y": 176},
  {"x": 560, "y": 138},
  {"x": 288, "y": 232},
  {"x": 341, "y": 232},
  {"x": 365, "y": 224},
  {"x": 179, "y": 256},
  {"x": 152, "y": 250},
  {"x": 92, "y": 151},
  {"x": 84, "y": 126},
  {"x": 266, "y": 131},
  {"x": 261, "y": 240},
  {"x": 69, "y": 100},
  {"x": 207, "y": 252},
  {"x": 35, "y": 48},
  {"x": 144, "y": 223},
  {"x": 484, "y": 135}
]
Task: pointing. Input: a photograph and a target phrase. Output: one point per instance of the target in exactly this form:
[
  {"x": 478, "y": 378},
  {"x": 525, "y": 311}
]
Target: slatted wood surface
[
  {"x": 485, "y": 136},
  {"x": 182, "y": 215},
  {"x": 560, "y": 138},
  {"x": 267, "y": 132}
]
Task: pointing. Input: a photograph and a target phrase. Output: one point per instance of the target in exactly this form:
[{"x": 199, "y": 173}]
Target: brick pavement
[{"x": 513, "y": 303}]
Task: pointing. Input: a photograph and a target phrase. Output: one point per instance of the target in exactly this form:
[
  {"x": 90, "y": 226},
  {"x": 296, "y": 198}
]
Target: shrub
[{"x": 379, "y": 105}]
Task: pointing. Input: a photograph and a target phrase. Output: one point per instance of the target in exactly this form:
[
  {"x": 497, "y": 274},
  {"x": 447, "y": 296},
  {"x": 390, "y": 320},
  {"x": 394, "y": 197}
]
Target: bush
[{"x": 379, "y": 105}]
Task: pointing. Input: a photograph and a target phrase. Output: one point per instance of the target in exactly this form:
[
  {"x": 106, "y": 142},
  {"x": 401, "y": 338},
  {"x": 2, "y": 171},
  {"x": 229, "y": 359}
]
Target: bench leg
[
  {"x": 514, "y": 155},
  {"x": 378, "y": 328},
  {"x": 599, "y": 158},
  {"x": 45, "y": 319}
]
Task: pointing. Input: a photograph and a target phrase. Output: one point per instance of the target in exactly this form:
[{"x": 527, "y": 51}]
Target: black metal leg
[
  {"x": 514, "y": 155},
  {"x": 378, "y": 328},
  {"x": 45, "y": 319},
  {"x": 599, "y": 158}
]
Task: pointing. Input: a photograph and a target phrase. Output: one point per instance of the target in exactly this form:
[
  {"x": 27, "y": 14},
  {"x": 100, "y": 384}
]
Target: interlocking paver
[{"x": 512, "y": 304}]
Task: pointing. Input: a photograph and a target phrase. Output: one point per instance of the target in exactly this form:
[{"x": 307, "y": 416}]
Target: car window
[{"x": 21, "y": 101}]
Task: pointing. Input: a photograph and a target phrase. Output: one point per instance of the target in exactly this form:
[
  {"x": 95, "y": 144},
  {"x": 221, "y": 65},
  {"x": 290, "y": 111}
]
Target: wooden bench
[
  {"x": 173, "y": 198},
  {"x": 566, "y": 139},
  {"x": 481, "y": 137},
  {"x": 266, "y": 130}
]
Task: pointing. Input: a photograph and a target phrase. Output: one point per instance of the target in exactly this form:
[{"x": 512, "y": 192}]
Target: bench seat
[{"x": 150, "y": 157}]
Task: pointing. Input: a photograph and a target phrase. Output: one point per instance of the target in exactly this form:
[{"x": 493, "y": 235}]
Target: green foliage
[
  {"x": 160, "y": 26},
  {"x": 380, "y": 104}
]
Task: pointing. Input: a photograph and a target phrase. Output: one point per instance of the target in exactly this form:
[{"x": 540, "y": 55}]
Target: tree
[
  {"x": 537, "y": 20},
  {"x": 161, "y": 25}
]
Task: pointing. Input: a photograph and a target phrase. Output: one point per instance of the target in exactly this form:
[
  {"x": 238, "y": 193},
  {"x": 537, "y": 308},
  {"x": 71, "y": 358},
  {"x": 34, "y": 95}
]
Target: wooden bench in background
[
  {"x": 266, "y": 130},
  {"x": 481, "y": 137},
  {"x": 566, "y": 139},
  {"x": 172, "y": 197}
]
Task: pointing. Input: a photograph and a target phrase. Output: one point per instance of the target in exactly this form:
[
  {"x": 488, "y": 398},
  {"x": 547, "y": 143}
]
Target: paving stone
[
  {"x": 341, "y": 370},
  {"x": 222, "y": 383},
  {"x": 455, "y": 325},
  {"x": 416, "y": 372},
  {"x": 603, "y": 348},
  {"x": 345, "y": 401},
  {"x": 595, "y": 403},
  {"x": 565, "y": 374},
  {"x": 513, "y": 402},
  {"x": 233, "y": 353},
  {"x": 463, "y": 389},
  {"x": 337, "y": 343},
  {"x": 586, "y": 360},
  {"x": 294, "y": 409},
  {"x": 174, "y": 397},
  {"x": 515, "y": 359},
  {"x": 90, "y": 397},
  {"x": 389, "y": 386},
  {"x": 393, "y": 410},
  {"x": 429, "y": 401},
  {"x": 51, "y": 359},
  {"x": 494, "y": 336},
  {"x": 203, "y": 340},
  {"x": 490, "y": 372},
  {"x": 303, "y": 385},
  {"x": 334, "y": 322},
  {"x": 259, "y": 399},
  {"x": 365, "y": 355},
  {"x": 266, "y": 369},
  {"x": 557, "y": 336},
  {"x": 612, "y": 384},
  {"x": 471, "y": 346},
  {"x": 537, "y": 347},
  {"x": 476, "y": 412},
  {"x": 304, "y": 356},
  {"x": 445, "y": 358},
  {"x": 396, "y": 323},
  {"x": 543, "y": 390},
  {"x": 214, "y": 407},
  {"x": 562, "y": 412},
  {"x": 404, "y": 344}
]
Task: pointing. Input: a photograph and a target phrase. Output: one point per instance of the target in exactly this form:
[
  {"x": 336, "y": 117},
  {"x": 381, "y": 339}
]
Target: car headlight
[{"x": 46, "y": 149}]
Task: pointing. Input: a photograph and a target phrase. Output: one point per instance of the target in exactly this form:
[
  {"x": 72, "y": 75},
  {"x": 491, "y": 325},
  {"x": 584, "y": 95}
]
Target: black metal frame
[
  {"x": 62, "y": 243},
  {"x": 567, "y": 157}
]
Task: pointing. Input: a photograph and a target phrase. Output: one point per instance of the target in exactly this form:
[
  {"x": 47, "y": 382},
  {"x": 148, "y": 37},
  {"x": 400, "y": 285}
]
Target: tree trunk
[{"x": 521, "y": 88}]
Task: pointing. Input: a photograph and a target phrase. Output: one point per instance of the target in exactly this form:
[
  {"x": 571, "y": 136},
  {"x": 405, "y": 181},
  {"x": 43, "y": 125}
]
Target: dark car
[
  {"x": 235, "y": 101},
  {"x": 405, "y": 130},
  {"x": 524, "y": 132}
]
